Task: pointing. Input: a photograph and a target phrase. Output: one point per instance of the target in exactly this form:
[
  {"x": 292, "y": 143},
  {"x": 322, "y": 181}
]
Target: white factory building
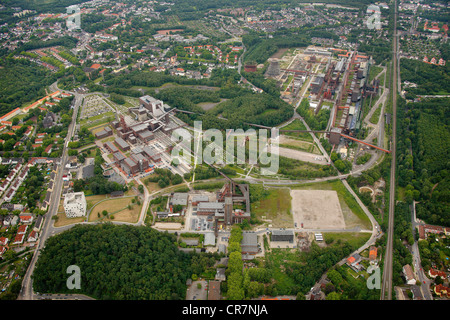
[{"x": 75, "y": 204}]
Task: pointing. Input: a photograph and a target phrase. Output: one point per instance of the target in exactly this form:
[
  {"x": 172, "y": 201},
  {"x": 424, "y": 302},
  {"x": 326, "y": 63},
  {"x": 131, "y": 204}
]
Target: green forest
[
  {"x": 118, "y": 262},
  {"x": 260, "y": 48},
  {"x": 423, "y": 153},
  {"x": 21, "y": 81},
  {"x": 431, "y": 79},
  {"x": 253, "y": 108},
  {"x": 219, "y": 77}
]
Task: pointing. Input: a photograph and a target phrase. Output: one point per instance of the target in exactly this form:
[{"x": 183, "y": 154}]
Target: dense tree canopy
[
  {"x": 423, "y": 152},
  {"x": 431, "y": 79},
  {"x": 21, "y": 81},
  {"x": 116, "y": 262}
]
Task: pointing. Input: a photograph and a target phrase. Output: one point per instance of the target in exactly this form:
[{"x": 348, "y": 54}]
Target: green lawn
[
  {"x": 278, "y": 259},
  {"x": 355, "y": 239},
  {"x": 97, "y": 120},
  {"x": 302, "y": 146},
  {"x": 376, "y": 115},
  {"x": 373, "y": 72},
  {"x": 297, "y": 125},
  {"x": 287, "y": 82},
  {"x": 275, "y": 207}
]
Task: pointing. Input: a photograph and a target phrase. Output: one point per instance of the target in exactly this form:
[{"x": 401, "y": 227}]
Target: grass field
[
  {"x": 301, "y": 145},
  {"x": 92, "y": 200},
  {"x": 97, "y": 120},
  {"x": 355, "y": 239},
  {"x": 90, "y": 152},
  {"x": 287, "y": 82},
  {"x": 373, "y": 72},
  {"x": 276, "y": 207},
  {"x": 278, "y": 260},
  {"x": 297, "y": 125},
  {"x": 118, "y": 208},
  {"x": 376, "y": 115},
  {"x": 151, "y": 186}
]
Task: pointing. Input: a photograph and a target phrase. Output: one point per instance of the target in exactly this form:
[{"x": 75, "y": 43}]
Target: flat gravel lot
[{"x": 317, "y": 209}]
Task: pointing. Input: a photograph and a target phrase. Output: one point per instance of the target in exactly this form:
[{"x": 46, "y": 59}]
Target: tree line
[{"x": 423, "y": 148}]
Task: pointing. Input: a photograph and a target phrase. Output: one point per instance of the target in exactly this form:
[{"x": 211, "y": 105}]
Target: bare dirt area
[
  {"x": 209, "y": 105},
  {"x": 317, "y": 209},
  {"x": 302, "y": 156},
  {"x": 167, "y": 225}
]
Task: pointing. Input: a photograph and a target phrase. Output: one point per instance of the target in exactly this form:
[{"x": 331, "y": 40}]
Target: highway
[{"x": 386, "y": 287}]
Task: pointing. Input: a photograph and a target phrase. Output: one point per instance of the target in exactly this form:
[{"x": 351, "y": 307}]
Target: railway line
[{"x": 386, "y": 286}]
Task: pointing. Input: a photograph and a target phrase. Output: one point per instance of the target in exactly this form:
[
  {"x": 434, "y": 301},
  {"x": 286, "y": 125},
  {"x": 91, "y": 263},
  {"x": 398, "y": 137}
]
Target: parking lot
[{"x": 194, "y": 293}]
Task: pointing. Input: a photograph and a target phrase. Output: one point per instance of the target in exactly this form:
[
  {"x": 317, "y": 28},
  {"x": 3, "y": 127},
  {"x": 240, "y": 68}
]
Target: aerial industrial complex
[
  {"x": 107, "y": 128},
  {"x": 141, "y": 139}
]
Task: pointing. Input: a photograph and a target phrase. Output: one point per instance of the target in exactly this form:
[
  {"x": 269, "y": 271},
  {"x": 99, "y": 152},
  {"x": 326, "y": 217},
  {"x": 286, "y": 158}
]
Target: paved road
[
  {"x": 386, "y": 288},
  {"x": 47, "y": 228},
  {"x": 417, "y": 264}
]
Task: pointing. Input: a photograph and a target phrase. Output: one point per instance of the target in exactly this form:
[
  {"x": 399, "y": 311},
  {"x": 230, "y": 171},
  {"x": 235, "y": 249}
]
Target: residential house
[
  {"x": 353, "y": 262},
  {"x": 409, "y": 274},
  {"x": 10, "y": 220},
  {"x": 3, "y": 241},
  {"x": 33, "y": 236},
  {"x": 26, "y": 218},
  {"x": 433, "y": 273},
  {"x": 38, "y": 223},
  {"x": 372, "y": 253},
  {"x": 22, "y": 229},
  {"x": 442, "y": 291},
  {"x": 220, "y": 274},
  {"x": 19, "y": 238}
]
